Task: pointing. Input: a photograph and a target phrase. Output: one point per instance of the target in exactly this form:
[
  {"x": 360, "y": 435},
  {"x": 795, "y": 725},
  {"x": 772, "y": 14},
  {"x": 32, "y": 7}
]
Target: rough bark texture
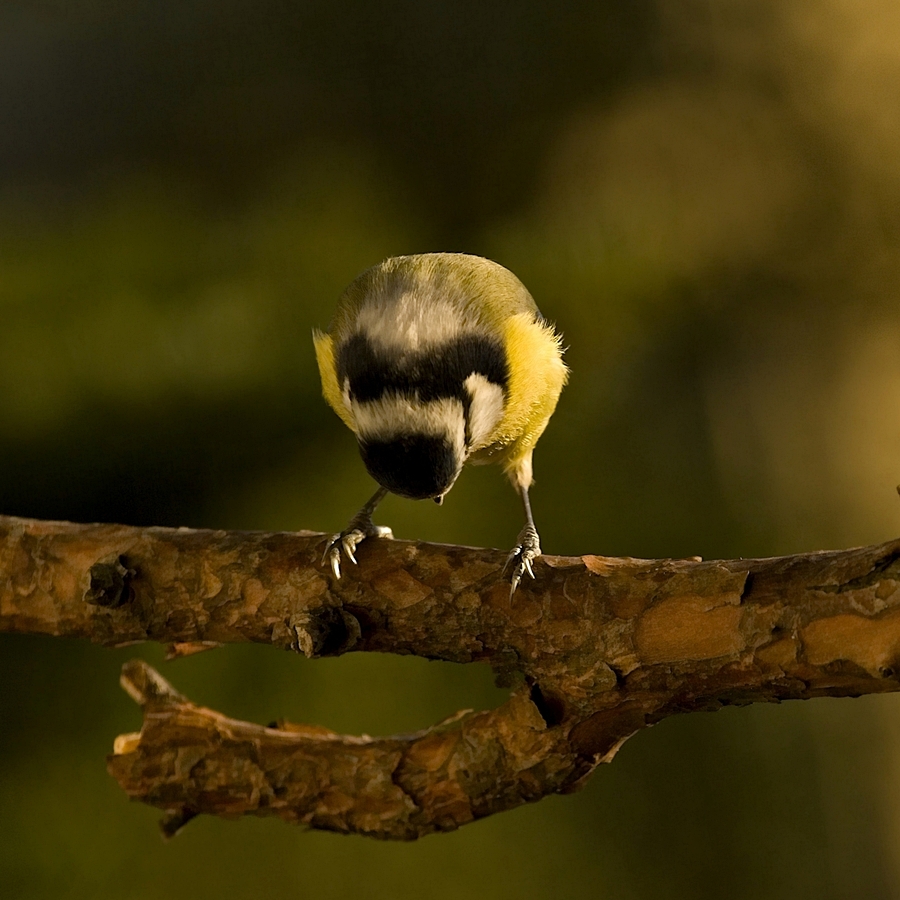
[{"x": 606, "y": 647}]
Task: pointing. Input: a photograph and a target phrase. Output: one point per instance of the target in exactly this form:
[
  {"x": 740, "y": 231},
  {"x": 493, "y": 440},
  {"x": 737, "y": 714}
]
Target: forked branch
[{"x": 600, "y": 648}]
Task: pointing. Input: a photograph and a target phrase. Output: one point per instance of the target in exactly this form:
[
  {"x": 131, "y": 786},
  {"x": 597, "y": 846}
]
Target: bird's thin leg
[
  {"x": 528, "y": 545},
  {"x": 358, "y": 529}
]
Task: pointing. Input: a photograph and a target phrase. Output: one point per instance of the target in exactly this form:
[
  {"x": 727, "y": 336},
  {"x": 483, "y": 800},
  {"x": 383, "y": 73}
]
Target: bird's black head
[{"x": 416, "y": 466}]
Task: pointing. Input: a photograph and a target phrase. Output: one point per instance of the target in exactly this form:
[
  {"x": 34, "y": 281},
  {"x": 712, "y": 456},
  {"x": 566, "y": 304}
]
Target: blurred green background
[{"x": 704, "y": 196}]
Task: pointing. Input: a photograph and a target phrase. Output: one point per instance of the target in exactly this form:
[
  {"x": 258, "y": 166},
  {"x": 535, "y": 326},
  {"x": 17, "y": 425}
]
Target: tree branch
[{"x": 600, "y": 647}]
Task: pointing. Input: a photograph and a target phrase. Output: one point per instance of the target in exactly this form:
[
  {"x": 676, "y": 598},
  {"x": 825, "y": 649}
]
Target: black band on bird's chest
[{"x": 433, "y": 374}]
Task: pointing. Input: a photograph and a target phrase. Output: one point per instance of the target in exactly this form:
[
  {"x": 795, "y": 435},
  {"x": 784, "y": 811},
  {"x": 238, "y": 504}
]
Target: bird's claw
[
  {"x": 522, "y": 557},
  {"x": 349, "y": 539}
]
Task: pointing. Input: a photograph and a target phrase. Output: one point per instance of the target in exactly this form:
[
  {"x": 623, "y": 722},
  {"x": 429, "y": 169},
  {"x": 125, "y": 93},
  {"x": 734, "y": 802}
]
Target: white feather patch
[
  {"x": 394, "y": 415},
  {"x": 485, "y": 408}
]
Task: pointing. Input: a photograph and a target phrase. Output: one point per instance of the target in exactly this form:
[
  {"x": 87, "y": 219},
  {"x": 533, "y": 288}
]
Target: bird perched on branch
[{"x": 434, "y": 361}]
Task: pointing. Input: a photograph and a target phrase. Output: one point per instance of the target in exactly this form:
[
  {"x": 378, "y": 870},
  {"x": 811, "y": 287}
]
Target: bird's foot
[
  {"x": 360, "y": 528},
  {"x": 522, "y": 556}
]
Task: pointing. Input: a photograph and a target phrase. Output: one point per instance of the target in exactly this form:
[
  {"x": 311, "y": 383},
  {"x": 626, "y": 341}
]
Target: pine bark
[{"x": 596, "y": 649}]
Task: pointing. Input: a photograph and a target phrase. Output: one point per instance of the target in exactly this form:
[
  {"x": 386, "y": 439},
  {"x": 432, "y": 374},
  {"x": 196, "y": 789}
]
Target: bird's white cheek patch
[
  {"x": 395, "y": 416},
  {"x": 485, "y": 408}
]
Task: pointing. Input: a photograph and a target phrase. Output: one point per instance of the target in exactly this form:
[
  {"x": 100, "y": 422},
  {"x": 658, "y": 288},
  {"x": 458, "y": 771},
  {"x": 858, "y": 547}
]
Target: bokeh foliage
[{"x": 703, "y": 195}]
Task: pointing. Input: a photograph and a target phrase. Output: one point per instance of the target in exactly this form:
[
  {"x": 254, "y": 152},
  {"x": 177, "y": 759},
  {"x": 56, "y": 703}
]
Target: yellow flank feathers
[
  {"x": 331, "y": 390},
  {"x": 536, "y": 378}
]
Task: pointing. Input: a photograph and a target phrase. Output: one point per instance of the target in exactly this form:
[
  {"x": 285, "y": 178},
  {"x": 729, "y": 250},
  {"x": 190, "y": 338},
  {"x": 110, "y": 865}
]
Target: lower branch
[
  {"x": 189, "y": 760},
  {"x": 601, "y": 648}
]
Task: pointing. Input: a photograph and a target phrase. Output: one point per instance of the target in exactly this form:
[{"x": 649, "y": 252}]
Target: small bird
[{"x": 434, "y": 361}]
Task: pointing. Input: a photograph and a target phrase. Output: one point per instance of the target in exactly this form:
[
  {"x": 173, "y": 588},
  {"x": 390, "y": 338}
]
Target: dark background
[{"x": 705, "y": 197}]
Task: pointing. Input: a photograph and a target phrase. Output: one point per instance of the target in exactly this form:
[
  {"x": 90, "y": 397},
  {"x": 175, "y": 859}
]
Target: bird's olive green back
[{"x": 484, "y": 290}]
